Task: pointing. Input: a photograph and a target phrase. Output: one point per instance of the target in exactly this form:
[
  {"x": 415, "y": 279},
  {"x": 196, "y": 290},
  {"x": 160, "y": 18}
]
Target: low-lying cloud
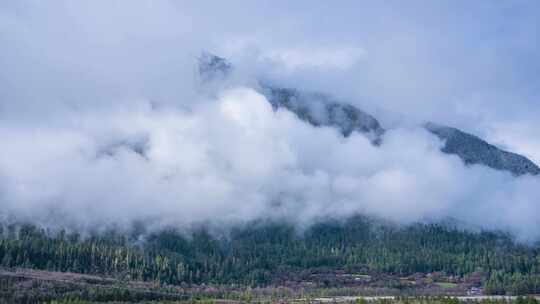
[
  {"x": 103, "y": 121},
  {"x": 233, "y": 159}
]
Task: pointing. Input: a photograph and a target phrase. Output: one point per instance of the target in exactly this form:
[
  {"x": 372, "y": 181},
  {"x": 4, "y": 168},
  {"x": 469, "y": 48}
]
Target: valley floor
[{"x": 23, "y": 285}]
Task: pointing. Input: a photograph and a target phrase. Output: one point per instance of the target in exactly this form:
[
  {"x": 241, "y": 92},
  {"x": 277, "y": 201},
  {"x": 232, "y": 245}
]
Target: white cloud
[
  {"x": 316, "y": 57},
  {"x": 103, "y": 121},
  {"x": 233, "y": 159}
]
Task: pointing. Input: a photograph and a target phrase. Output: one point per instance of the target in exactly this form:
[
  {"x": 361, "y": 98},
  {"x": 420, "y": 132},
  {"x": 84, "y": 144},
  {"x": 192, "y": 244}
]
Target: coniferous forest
[{"x": 276, "y": 254}]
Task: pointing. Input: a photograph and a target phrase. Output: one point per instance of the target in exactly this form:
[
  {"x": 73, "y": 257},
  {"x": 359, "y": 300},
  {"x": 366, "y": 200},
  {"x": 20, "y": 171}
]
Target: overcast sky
[{"x": 82, "y": 80}]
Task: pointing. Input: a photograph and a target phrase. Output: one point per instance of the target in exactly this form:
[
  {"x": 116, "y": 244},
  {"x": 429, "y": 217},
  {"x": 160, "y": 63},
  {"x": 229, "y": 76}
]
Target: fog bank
[{"x": 104, "y": 119}]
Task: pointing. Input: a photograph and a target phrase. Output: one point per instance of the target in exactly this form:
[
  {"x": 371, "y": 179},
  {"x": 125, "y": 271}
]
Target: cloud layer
[{"x": 104, "y": 121}]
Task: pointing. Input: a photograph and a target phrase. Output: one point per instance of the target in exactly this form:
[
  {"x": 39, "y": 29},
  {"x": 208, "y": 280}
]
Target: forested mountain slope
[{"x": 276, "y": 253}]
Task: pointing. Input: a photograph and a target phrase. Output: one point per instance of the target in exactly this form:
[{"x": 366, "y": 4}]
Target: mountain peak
[{"x": 212, "y": 67}]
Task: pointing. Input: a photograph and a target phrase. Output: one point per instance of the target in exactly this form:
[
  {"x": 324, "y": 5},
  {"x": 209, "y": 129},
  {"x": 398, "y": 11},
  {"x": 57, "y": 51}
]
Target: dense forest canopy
[{"x": 267, "y": 253}]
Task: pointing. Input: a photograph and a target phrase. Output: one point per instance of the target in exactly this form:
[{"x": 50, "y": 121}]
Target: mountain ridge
[{"x": 319, "y": 109}]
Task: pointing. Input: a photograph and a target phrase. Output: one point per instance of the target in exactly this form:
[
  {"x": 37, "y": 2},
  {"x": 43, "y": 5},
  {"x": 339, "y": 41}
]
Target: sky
[{"x": 105, "y": 121}]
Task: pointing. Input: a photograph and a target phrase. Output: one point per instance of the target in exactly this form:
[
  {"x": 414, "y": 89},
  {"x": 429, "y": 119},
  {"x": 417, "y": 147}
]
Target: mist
[{"x": 105, "y": 121}]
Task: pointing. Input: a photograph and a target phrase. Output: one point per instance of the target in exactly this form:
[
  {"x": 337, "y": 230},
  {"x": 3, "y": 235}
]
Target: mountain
[
  {"x": 473, "y": 150},
  {"x": 319, "y": 109}
]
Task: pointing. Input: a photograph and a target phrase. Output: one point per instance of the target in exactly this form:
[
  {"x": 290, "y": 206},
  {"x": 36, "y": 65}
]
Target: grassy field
[{"x": 446, "y": 285}]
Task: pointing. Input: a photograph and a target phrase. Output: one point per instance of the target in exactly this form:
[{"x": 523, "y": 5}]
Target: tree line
[{"x": 254, "y": 254}]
